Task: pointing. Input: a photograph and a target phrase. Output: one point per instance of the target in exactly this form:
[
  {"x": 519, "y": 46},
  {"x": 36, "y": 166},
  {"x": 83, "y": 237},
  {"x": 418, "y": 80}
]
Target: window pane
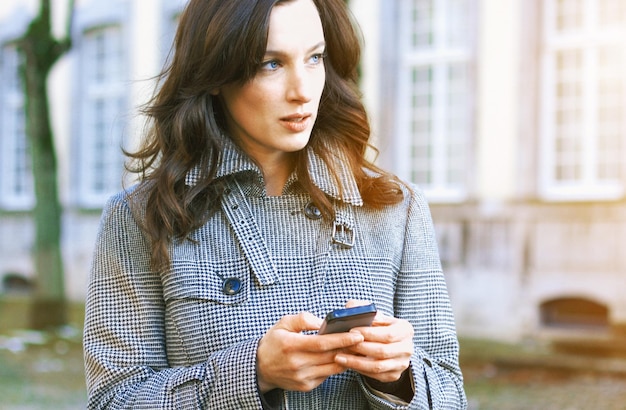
[
  {"x": 104, "y": 110},
  {"x": 422, "y": 13},
  {"x": 587, "y": 99},
  {"x": 458, "y": 121},
  {"x": 104, "y": 51},
  {"x": 458, "y": 25},
  {"x": 569, "y": 115},
  {"x": 611, "y": 112},
  {"x": 437, "y": 102},
  {"x": 569, "y": 15},
  {"x": 16, "y": 178},
  {"x": 611, "y": 12},
  {"x": 442, "y": 23},
  {"x": 422, "y": 107},
  {"x": 10, "y": 67},
  {"x": 22, "y": 184},
  {"x": 100, "y": 136}
]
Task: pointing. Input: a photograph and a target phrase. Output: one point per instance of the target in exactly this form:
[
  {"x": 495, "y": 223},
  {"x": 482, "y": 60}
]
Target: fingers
[
  {"x": 307, "y": 378},
  {"x": 294, "y": 324},
  {"x": 284, "y": 359},
  {"x": 295, "y": 371},
  {"x": 386, "y": 329},
  {"x": 301, "y": 322},
  {"x": 357, "y": 302},
  {"x": 382, "y": 351},
  {"x": 381, "y": 361},
  {"x": 288, "y": 359},
  {"x": 386, "y": 371},
  {"x": 386, "y": 351}
]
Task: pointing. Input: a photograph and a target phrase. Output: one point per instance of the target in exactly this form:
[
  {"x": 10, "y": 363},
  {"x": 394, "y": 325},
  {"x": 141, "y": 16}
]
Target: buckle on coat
[{"x": 343, "y": 236}]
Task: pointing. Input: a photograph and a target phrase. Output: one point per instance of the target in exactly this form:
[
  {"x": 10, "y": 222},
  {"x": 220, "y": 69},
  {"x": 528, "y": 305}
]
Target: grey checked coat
[{"x": 186, "y": 338}]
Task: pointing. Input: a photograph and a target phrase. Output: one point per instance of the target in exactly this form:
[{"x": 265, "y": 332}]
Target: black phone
[{"x": 342, "y": 320}]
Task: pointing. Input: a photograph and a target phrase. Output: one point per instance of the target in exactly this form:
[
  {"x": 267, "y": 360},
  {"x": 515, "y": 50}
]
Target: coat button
[
  {"x": 231, "y": 286},
  {"x": 312, "y": 211}
]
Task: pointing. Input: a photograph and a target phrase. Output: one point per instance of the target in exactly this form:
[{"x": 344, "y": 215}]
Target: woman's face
[{"x": 273, "y": 114}]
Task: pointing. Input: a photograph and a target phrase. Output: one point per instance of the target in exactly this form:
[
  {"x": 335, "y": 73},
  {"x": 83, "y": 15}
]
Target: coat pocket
[{"x": 226, "y": 282}]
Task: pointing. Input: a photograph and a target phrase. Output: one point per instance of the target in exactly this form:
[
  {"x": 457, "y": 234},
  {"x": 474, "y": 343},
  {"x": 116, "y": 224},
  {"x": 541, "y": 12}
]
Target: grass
[
  {"x": 42, "y": 370},
  {"x": 532, "y": 376},
  {"x": 45, "y": 371}
]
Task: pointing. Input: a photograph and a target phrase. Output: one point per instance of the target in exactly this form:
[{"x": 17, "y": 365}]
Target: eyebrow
[{"x": 282, "y": 53}]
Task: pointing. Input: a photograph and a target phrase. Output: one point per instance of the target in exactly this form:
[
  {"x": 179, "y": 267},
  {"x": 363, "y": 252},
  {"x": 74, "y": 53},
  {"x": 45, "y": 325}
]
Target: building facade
[{"x": 510, "y": 114}]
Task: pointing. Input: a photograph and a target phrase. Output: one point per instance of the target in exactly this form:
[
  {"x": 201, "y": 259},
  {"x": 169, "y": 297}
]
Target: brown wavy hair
[{"x": 222, "y": 42}]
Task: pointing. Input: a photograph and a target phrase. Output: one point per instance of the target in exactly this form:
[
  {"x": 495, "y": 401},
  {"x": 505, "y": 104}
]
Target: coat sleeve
[
  {"x": 124, "y": 336},
  {"x": 422, "y": 298}
]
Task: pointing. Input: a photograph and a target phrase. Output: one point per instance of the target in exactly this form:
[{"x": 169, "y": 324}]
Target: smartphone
[{"x": 342, "y": 320}]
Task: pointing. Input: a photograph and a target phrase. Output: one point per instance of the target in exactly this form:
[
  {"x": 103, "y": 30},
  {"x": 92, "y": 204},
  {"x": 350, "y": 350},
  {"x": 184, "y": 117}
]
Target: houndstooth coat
[{"x": 186, "y": 338}]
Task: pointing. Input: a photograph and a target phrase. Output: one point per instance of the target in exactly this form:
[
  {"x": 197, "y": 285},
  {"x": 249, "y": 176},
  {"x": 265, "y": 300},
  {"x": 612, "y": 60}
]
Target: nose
[{"x": 299, "y": 85}]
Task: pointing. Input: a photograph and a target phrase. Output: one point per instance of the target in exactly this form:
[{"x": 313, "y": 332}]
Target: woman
[{"x": 256, "y": 215}]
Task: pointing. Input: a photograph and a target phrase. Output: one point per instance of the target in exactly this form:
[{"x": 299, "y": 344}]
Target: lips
[
  {"x": 296, "y": 117},
  {"x": 296, "y": 122}
]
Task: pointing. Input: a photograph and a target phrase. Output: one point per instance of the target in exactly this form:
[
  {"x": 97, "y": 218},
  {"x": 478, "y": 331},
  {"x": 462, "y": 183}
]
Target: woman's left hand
[{"x": 386, "y": 351}]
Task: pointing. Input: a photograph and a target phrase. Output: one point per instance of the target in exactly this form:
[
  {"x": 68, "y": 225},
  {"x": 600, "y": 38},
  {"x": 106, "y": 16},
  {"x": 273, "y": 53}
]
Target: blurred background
[{"x": 510, "y": 115}]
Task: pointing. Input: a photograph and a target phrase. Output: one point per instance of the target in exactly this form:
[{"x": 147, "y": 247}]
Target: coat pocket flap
[{"x": 227, "y": 282}]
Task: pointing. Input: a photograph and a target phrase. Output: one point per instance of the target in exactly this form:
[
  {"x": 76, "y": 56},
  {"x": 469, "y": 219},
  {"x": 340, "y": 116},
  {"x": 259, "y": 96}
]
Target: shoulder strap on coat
[{"x": 239, "y": 214}]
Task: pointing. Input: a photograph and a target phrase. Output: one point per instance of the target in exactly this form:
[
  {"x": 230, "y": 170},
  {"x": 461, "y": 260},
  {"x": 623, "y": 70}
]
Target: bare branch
[{"x": 44, "y": 11}]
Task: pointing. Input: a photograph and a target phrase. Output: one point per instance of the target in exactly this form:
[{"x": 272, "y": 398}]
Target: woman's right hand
[{"x": 290, "y": 360}]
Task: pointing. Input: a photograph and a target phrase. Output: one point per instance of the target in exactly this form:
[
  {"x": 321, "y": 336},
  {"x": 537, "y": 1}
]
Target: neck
[{"x": 276, "y": 173}]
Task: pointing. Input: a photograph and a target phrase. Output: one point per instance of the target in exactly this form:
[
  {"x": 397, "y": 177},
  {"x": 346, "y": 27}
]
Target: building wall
[
  {"x": 506, "y": 249},
  {"x": 147, "y": 36},
  {"x": 503, "y": 265}
]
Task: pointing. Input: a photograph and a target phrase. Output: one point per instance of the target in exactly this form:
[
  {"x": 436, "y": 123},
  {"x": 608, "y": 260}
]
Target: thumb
[
  {"x": 356, "y": 302},
  {"x": 300, "y": 322},
  {"x": 379, "y": 319}
]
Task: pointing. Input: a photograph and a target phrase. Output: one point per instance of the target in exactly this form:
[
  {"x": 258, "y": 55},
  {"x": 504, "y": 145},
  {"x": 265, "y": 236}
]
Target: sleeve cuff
[
  {"x": 399, "y": 392},
  {"x": 272, "y": 399}
]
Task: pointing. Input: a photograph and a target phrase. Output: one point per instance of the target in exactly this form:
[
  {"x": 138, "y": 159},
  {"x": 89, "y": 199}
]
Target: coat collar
[{"x": 233, "y": 160}]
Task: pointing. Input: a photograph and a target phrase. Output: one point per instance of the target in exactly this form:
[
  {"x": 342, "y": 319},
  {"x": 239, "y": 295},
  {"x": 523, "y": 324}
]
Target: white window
[
  {"x": 436, "y": 95},
  {"x": 16, "y": 181},
  {"x": 104, "y": 114},
  {"x": 171, "y": 18},
  {"x": 583, "y": 123}
]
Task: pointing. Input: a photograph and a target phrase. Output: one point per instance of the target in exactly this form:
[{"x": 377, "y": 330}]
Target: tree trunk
[
  {"x": 40, "y": 50},
  {"x": 49, "y": 303}
]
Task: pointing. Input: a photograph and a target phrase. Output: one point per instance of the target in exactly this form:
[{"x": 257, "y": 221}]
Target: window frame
[
  {"x": 92, "y": 18},
  {"x": 588, "y": 41},
  {"x": 12, "y": 101},
  {"x": 441, "y": 58}
]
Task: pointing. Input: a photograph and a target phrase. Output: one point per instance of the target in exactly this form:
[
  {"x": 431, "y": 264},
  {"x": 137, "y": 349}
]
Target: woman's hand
[
  {"x": 290, "y": 360},
  {"x": 385, "y": 352}
]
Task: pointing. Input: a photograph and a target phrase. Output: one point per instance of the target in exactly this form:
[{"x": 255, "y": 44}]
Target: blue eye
[
  {"x": 317, "y": 58},
  {"x": 270, "y": 65}
]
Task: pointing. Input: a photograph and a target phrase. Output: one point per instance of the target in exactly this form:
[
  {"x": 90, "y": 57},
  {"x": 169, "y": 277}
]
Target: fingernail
[
  {"x": 341, "y": 359},
  {"x": 357, "y": 336}
]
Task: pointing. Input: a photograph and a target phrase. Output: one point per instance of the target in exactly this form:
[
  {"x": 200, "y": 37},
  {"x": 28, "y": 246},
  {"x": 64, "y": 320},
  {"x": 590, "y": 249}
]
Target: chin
[{"x": 299, "y": 143}]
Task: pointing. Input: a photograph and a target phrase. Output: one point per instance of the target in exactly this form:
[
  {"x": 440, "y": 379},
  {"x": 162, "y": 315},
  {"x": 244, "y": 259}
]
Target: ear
[{"x": 215, "y": 91}]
